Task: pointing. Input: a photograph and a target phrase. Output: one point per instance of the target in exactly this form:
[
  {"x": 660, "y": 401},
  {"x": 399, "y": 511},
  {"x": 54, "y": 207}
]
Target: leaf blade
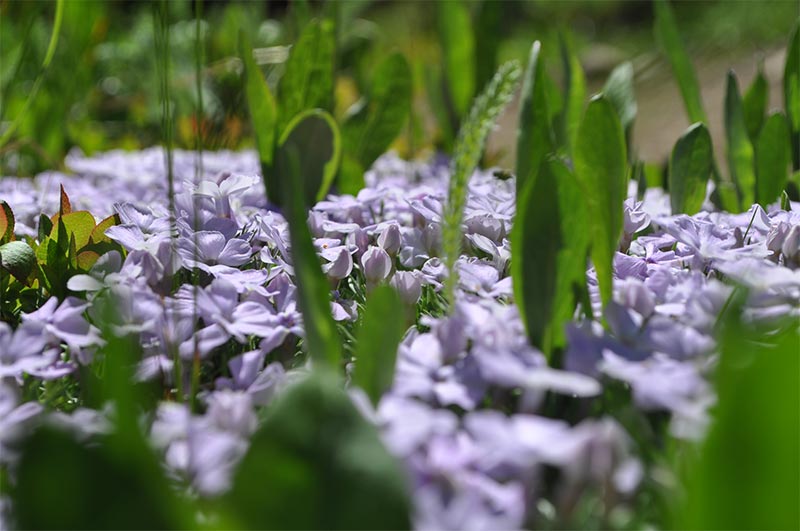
[
  {"x": 668, "y": 36},
  {"x": 740, "y": 150},
  {"x": 689, "y": 168},
  {"x": 377, "y": 342},
  {"x": 534, "y": 135},
  {"x": 773, "y": 155},
  {"x": 601, "y": 171}
]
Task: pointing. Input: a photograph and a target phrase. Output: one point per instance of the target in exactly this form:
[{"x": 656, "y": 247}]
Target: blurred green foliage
[{"x": 101, "y": 88}]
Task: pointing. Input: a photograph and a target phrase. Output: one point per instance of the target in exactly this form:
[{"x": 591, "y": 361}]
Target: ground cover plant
[{"x": 317, "y": 333}]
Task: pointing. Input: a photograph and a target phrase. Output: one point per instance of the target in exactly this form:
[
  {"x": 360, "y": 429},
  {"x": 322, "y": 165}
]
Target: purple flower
[
  {"x": 376, "y": 265},
  {"x": 211, "y": 253}
]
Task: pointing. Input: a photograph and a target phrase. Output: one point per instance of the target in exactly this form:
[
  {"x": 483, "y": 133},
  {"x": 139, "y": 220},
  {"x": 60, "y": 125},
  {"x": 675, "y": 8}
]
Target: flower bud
[
  {"x": 376, "y": 264},
  {"x": 340, "y": 267},
  {"x": 360, "y": 240},
  {"x": 408, "y": 285},
  {"x": 791, "y": 245},
  {"x": 390, "y": 239}
]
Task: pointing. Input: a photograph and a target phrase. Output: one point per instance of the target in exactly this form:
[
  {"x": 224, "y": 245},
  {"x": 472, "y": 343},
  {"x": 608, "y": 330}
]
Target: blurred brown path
[{"x": 661, "y": 118}]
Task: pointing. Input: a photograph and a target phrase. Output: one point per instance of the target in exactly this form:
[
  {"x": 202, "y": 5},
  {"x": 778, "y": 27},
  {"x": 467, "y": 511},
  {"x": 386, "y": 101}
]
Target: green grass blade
[
  {"x": 689, "y": 167},
  {"x": 307, "y": 82},
  {"x": 575, "y": 89},
  {"x": 619, "y": 91},
  {"x": 791, "y": 92},
  {"x": 458, "y": 46},
  {"x": 754, "y": 105},
  {"x": 377, "y": 341},
  {"x": 671, "y": 42},
  {"x": 773, "y": 156},
  {"x": 534, "y": 136},
  {"x": 263, "y": 116},
  {"x": 296, "y": 167},
  {"x": 740, "y": 150},
  {"x": 602, "y": 173},
  {"x": 367, "y": 133},
  {"x": 469, "y": 149},
  {"x": 549, "y": 244},
  {"x": 316, "y": 463}
]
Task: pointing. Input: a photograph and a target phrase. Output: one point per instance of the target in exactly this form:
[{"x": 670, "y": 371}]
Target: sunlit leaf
[
  {"x": 601, "y": 171},
  {"x": 549, "y": 245},
  {"x": 263, "y": 116},
  {"x": 7, "y": 223},
  {"x": 671, "y": 42},
  {"x": 619, "y": 91},
  {"x": 740, "y": 150},
  {"x": 99, "y": 232},
  {"x": 754, "y": 105},
  {"x": 534, "y": 136},
  {"x": 772, "y": 159},
  {"x": 80, "y": 224},
  {"x": 307, "y": 82},
  {"x": 689, "y": 169},
  {"x": 65, "y": 206},
  {"x": 575, "y": 89},
  {"x": 369, "y": 131}
]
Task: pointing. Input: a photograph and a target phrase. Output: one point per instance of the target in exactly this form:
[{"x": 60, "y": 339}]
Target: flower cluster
[{"x": 469, "y": 410}]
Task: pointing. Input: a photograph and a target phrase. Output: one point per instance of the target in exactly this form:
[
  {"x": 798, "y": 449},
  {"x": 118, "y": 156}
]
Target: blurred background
[{"x": 101, "y": 89}]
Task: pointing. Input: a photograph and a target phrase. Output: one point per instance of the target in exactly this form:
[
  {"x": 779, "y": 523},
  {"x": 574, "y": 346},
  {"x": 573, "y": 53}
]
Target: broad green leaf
[
  {"x": 469, "y": 149},
  {"x": 671, "y": 42},
  {"x": 307, "y": 82},
  {"x": 79, "y": 223},
  {"x": 7, "y": 223},
  {"x": 377, "y": 341},
  {"x": 99, "y": 232},
  {"x": 601, "y": 171},
  {"x": 740, "y": 150},
  {"x": 18, "y": 259},
  {"x": 754, "y": 105},
  {"x": 772, "y": 159},
  {"x": 534, "y": 135},
  {"x": 689, "y": 169},
  {"x": 575, "y": 89},
  {"x": 747, "y": 475},
  {"x": 549, "y": 245},
  {"x": 263, "y": 115},
  {"x": 619, "y": 91},
  {"x": 297, "y": 168},
  {"x": 316, "y": 463},
  {"x": 45, "y": 227},
  {"x": 791, "y": 92},
  {"x": 458, "y": 46},
  {"x": 369, "y": 131},
  {"x": 316, "y": 136}
]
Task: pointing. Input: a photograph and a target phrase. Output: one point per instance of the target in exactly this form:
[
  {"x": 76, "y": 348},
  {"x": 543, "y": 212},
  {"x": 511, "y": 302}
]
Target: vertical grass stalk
[{"x": 468, "y": 151}]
